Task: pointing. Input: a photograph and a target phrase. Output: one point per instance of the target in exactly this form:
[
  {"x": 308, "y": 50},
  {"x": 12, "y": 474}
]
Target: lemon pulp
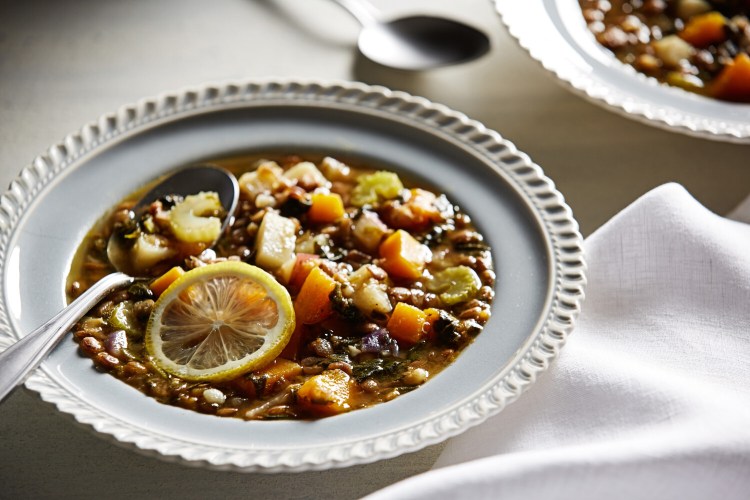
[{"x": 218, "y": 321}]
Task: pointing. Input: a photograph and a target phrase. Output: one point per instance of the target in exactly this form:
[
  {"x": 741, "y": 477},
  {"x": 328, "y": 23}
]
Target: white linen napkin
[{"x": 650, "y": 398}]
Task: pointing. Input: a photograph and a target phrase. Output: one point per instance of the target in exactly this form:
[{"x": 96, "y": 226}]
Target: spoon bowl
[
  {"x": 21, "y": 358},
  {"x": 415, "y": 43},
  {"x": 182, "y": 183},
  {"x": 422, "y": 42}
]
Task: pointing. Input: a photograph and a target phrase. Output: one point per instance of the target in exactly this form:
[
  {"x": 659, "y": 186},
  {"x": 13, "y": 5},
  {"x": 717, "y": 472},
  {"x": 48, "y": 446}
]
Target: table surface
[{"x": 63, "y": 64}]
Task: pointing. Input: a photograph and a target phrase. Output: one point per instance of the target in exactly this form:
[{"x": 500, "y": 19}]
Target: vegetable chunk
[
  {"x": 162, "y": 282},
  {"x": 733, "y": 83},
  {"x": 275, "y": 241},
  {"x": 372, "y": 188},
  {"x": 403, "y": 256},
  {"x": 705, "y": 29},
  {"x": 326, "y": 394},
  {"x": 407, "y": 323},
  {"x": 455, "y": 284},
  {"x": 194, "y": 220},
  {"x": 313, "y": 304},
  {"x": 325, "y": 208}
]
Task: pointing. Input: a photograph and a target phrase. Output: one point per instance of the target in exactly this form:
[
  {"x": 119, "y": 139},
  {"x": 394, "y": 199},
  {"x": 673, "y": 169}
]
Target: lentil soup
[
  {"x": 388, "y": 282},
  {"x": 702, "y": 46}
]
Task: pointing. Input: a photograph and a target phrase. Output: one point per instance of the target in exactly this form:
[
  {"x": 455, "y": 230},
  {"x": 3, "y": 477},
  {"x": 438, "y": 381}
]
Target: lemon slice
[{"x": 219, "y": 321}]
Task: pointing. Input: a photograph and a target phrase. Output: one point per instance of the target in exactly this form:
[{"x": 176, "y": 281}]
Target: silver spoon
[
  {"x": 416, "y": 42},
  {"x": 21, "y": 358}
]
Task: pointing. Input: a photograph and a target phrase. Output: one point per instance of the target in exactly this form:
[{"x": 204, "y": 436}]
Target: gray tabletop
[{"x": 62, "y": 64}]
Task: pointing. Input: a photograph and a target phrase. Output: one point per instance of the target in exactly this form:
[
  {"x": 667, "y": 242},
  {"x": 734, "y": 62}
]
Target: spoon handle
[
  {"x": 361, "y": 10},
  {"x": 21, "y": 358}
]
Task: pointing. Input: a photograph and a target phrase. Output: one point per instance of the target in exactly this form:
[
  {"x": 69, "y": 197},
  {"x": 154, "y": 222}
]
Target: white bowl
[
  {"x": 555, "y": 34},
  {"x": 535, "y": 243}
]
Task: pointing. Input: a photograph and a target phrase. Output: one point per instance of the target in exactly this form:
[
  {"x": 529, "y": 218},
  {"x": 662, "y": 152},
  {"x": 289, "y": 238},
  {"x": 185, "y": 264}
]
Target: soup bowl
[{"x": 536, "y": 249}]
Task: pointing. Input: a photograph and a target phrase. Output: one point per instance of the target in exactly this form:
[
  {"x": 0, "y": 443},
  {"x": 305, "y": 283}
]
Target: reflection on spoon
[
  {"x": 415, "y": 42},
  {"x": 21, "y": 358}
]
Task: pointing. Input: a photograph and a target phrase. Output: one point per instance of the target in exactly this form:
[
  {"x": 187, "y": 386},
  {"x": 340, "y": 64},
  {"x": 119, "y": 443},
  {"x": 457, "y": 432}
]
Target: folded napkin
[{"x": 650, "y": 398}]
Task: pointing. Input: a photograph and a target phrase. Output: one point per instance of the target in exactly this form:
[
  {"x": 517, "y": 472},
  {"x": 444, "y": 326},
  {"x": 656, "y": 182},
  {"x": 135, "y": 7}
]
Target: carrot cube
[
  {"x": 313, "y": 303},
  {"x": 326, "y": 394},
  {"x": 403, "y": 256},
  {"x": 407, "y": 323},
  {"x": 733, "y": 83},
  {"x": 326, "y": 207},
  {"x": 705, "y": 29},
  {"x": 162, "y": 282}
]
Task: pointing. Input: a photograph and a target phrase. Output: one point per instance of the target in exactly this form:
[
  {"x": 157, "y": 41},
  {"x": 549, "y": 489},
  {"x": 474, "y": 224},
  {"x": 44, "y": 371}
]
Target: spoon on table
[
  {"x": 21, "y": 358},
  {"x": 415, "y": 42}
]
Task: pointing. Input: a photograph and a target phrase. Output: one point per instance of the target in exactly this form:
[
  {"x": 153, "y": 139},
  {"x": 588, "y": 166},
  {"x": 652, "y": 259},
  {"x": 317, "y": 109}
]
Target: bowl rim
[{"x": 560, "y": 229}]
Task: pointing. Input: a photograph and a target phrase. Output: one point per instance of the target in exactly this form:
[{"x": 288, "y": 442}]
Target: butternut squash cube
[{"x": 326, "y": 394}]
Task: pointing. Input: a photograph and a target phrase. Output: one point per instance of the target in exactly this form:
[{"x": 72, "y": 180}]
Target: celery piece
[
  {"x": 372, "y": 188},
  {"x": 455, "y": 284},
  {"x": 122, "y": 318},
  {"x": 194, "y": 220}
]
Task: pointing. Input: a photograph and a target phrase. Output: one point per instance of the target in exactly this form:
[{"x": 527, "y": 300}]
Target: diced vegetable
[
  {"x": 372, "y": 188},
  {"x": 673, "y": 50},
  {"x": 195, "y": 219},
  {"x": 162, "y": 282},
  {"x": 305, "y": 243},
  {"x": 455, "y": 284},
  {"x": 685, "y": 81},
  {"x": 420, "y": 209},
  {"x": 369, "y": 231},
  {"x": 366, "y": 274},
  {"x": 122, "y": 318},
  {"x": 313, "y": 304},
  {"x": 407, "y": 323},
  {"x": 733, "y": 83},
  {"x": 326, "y": 207},
  {"x": 265, "y": 179},
  {"x": 379, "y": 341},
  {"x": 334, "y": 170},
  {"x": 284, "y": 272},
  {"x": 116, "y": 343},
  {"x": 326, "y": 394},
  {"x": 403, "y": 256},
  {"x": 308, "y": 174},
  {"x": 149, "y": 250},
  {"x": 705, "y": 29},
  {"x": 267, "y": 380},
  {"x": 431, "y": 316},
  {"x": 275, "y": 241},
  {"x": 372, "y": 299},
  {"x": 303, "y": 264}
]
